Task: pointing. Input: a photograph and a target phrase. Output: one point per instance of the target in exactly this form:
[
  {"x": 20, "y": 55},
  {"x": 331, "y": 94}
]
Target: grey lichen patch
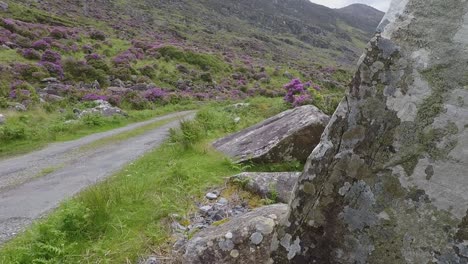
[
  {"x": 294, "y": 249},
  {"x": 256, "y": 238}
]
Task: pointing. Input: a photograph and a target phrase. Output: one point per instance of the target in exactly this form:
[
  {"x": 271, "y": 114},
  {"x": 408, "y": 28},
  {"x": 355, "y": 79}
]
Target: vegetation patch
[{"x": 125, "y": 216}]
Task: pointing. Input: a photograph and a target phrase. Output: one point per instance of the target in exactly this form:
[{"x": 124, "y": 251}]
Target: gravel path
[{"x": 26, "y": 194}]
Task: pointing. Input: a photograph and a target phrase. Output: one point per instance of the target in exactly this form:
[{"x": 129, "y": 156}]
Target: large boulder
[
  {"x": 244, "y": 239},
  {"x": 277, "y": 186},
  {"x": 288, "y": 136},
  {"x": 388, "y": 181}
]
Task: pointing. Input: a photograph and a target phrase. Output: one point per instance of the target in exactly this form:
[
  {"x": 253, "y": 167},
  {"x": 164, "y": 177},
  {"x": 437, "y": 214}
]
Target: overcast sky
[{"x": 379, "y": 4}]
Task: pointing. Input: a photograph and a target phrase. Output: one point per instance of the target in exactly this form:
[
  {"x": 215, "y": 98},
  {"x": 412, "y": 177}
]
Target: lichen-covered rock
[
  {"x": 288, "y": 136},
  {"x": 277, "y": 186},
  {"x": 388, "y": 181},
  {"x": 102, "y": 108},
  {"x": 243, "y": 240}
]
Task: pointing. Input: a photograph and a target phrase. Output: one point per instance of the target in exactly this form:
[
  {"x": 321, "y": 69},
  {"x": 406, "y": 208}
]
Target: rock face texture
[
  {"x": 288, "y": 136},
  {"x": 244, "y": 239},
  {"x": 277, "y": 186},
  {"x": 388, "y": 183}
]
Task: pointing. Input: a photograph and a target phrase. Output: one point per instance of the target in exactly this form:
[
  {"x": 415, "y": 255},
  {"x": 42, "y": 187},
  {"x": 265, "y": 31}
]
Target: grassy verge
[
  {"x": 125, "y": 216},
  {"x": 31, "y": 130}
]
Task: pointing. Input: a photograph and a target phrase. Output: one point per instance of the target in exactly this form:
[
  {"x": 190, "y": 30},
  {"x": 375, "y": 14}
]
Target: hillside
[{"x": 173, "y": 50}]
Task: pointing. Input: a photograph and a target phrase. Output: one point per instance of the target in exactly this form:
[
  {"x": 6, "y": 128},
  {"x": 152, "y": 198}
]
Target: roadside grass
[
  {"x": 27, "y": 131},
  {"x": 125, "y": 216}
]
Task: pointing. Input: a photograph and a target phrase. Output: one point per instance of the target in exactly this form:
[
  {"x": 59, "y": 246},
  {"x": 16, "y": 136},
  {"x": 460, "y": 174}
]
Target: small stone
[
  {"x": 223, "y": 201},
  {"x": 228, "y": 235},
  {"x": 206, "y": 208},
  {"x": 256, "y": 238},
  {"x": 234, "y": 253},
  {"x": 49, "y": 80},
  {"x": 237, "y": 120},
  {"x": 2, "y": 119},
  {"x": 211, "y": 196}
]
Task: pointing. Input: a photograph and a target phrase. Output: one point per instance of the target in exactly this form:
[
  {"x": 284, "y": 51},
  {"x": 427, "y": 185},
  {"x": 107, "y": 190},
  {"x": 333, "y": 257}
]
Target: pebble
[
  {"x": 234, "y": 253},
  {"x": 206, "y": 208},
  {"x": 228, "y": 235},
  {"x": 211, "y": 196},
  {"x": 223, "y": 201}
]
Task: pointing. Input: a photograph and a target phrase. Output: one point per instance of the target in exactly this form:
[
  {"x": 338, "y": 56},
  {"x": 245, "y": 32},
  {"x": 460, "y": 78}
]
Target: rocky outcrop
[
  {"x": 388, "y": 181},
  {"x": 291, "y": 135},
  {"x": 277, "y": 186},
  {"x": 102, "y": 108},
  {"x": 244, "y": 239}
]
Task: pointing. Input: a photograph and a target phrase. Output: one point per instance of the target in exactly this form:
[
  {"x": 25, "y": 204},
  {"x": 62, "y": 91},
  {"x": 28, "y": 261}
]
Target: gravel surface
[{"x": 26, "y": 194}]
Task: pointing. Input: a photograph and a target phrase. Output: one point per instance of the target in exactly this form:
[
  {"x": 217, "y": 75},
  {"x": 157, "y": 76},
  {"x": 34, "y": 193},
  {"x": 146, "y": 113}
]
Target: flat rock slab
[
  {"x": 242, "y": 240},
  {"x": 288, "y": 136},
  {"x": 277, "y": 186}
]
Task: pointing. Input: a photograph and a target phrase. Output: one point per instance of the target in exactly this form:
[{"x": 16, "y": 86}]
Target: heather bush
[
  {"x": 155, "y": 95},
  {"x": 88, "y": 49},
  {"x": 30, "y": 54},
  {"x": 51, "y": 56},
  {"x": 135, "y": 100},
  {"x": 22, "y": 91},
  {"x": 122, "y": 72},
  {"x": 97, "y": 35},
  {"x": 297, "y": 93},
  {"x": 29, "y": 72},
  {"x": 78, "y": 70},
  {"x": 57, "y": 33},
  {"x": 97, "y": 62},
  {"x": 40, "y": 45},
  {"x": 55, "y": 70}
]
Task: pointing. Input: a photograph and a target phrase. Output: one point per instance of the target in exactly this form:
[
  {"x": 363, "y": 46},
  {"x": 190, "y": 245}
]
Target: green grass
[
  {"x": 10, "y": 55},
  {"x": 125, "y": 216},
  {"x": 31, "y": 130}
]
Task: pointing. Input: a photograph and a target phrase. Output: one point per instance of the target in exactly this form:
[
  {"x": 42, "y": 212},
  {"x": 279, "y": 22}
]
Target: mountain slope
[{"x": 288, "y": 30}]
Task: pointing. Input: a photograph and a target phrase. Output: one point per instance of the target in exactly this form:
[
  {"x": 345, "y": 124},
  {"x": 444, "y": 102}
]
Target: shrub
[
  {"x": 97, "y": 35},
  {"x": 155, "y": 95},
  {"x": 57, "y": 33},
  {"x": 297, "y": 93},
  {"x": 31, "y": 54},
  {"x": 97, "y": 62},
  {"x": 23, "y": 92},
  {"x": 123, "y": 72},
  {"x": 55, "y": 70},
  {"x": 51, "y": 56},
  {"x": 190, "y": 132},
  {"x": 40, "y": 45},
  {"x": 135, "y": 100},
  {"x": 81, "y": 71},
  {"x": 29, "y": 72}
]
